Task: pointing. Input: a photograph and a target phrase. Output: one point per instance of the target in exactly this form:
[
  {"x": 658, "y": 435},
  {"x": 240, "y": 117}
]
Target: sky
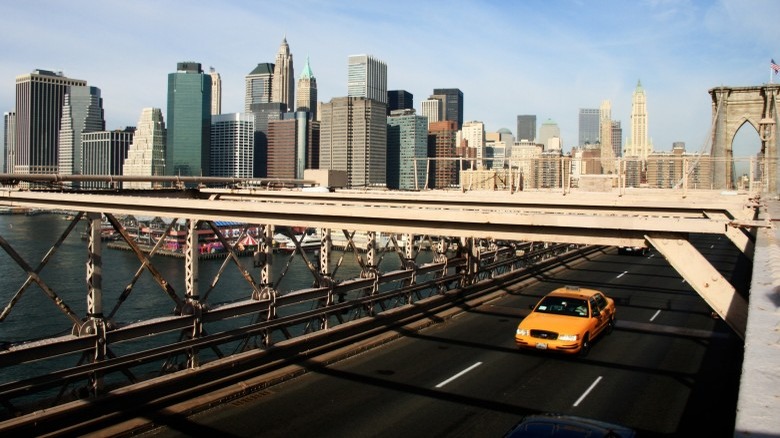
[{"x": 509, "y": 57}]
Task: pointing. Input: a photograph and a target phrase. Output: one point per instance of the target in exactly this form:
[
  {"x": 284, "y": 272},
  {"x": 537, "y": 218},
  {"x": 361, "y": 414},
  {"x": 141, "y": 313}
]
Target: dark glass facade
[
  {"x": 453, "y": 110},
  {"x": 189, "y": 121},
  {"x": 398, "y": 100}
]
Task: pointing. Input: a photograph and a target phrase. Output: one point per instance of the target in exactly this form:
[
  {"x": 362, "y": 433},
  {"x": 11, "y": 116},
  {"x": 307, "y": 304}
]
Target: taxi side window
[
  {"x": 595, "y": 309},
  {"x": 601, "y": 303}
]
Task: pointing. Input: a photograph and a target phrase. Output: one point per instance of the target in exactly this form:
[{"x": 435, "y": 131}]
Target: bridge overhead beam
[
  {"x": 484, "y": 217},
  {"x": 704, "y": 278},
  {"x": 738, "y": 237}
]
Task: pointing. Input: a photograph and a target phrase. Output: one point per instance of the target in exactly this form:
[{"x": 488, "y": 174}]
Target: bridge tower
[{"x": 732, "y": 107}]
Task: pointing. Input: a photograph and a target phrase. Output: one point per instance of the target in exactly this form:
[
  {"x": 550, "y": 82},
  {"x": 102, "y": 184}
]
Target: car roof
[
  {"x": 574, "y": 292},
  {"x": 562, "y": 422}
]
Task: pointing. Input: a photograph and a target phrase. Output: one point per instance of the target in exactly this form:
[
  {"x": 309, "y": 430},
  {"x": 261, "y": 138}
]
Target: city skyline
[{"x": 578, "y": 55}]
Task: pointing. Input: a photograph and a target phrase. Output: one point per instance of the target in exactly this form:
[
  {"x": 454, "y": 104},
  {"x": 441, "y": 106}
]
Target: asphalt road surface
[{"x": 669, "y": 368}]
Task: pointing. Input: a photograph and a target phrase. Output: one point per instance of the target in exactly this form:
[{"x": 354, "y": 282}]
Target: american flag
[{"x": 774, "y": 66}]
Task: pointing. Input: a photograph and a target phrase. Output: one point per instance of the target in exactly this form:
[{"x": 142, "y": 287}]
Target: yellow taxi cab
[{"x": 567, "y": 320}]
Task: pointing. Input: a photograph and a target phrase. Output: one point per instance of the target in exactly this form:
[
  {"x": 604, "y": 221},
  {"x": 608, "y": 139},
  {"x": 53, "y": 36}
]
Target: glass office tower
[{"x": 189, "y": 121}]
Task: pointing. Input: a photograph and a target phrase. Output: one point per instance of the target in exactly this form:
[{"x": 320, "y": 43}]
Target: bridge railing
[
  {"x": 592, "y": 173},
  {"x": 104, "y": 352}
]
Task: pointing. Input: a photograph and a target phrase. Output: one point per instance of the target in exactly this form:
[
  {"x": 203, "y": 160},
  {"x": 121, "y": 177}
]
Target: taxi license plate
[{"x": 541, "y": 345}]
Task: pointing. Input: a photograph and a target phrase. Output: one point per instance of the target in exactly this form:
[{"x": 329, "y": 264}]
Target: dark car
[{"x": 564, "y": 426}]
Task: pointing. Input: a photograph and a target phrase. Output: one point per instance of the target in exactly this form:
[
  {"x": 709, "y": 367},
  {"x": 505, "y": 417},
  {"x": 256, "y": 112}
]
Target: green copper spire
[{"x": 306, "y": 73}]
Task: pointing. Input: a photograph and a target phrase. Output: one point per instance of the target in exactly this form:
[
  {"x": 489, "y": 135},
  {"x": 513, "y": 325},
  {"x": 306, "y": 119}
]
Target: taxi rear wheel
[{"x": 610, "y": 326}]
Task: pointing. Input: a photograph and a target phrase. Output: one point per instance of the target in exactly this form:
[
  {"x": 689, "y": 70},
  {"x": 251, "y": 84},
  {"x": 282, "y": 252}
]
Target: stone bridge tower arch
[{"x": 732, "y": 107}]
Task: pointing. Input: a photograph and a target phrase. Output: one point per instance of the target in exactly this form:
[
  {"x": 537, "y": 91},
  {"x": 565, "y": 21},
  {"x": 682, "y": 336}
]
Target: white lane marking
[
  {"x": 585, "y": 394},
  {"x": 624, "y": 273},
  {"x": 458, "y": 375},
  {"x": 651, "y": 256},
  {"x": 657, "y": 312}
]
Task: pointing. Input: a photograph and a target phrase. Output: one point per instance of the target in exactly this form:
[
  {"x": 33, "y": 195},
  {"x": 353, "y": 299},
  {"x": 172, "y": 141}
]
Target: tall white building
[
  {"x": 639, "y": 144},
  {"x": 431, "y": 108},
  {"x": 473, "y": 133},
  {"x": 146, "y": 153},
  {"x": 216, "y": 92},
  {"x": 548, "y": 132},
  {"x": 367, "y": 77},
  {"x": 104, "y": 154},
  {"x": 283, "y": 87},
  {"x": 232, "y": 145},
  {"x": 307, "y": 91},
  {"x": 605, "y": 133},
  {"x": 82, "y": 111}
]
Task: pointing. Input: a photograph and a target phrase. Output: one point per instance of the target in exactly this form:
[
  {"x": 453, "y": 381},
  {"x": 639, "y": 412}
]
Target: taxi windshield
[{"x": 563, "y": 306}]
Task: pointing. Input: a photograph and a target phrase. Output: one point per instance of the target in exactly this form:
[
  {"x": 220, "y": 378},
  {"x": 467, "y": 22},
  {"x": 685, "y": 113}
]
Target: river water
[{"x": 36, "y": 316}]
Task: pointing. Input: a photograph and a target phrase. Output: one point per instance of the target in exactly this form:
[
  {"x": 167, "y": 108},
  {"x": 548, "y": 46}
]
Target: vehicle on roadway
[
  {"x": 567, "y": 320},
  {"x": 633, "y": 250},
  {"x": 559, "y": 425}
]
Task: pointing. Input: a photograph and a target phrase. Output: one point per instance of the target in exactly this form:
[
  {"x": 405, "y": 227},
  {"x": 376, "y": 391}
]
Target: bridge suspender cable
[{"x": 706, "y": 144}]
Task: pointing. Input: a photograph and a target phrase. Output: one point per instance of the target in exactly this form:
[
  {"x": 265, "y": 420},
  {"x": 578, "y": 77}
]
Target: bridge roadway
[
  {"x": 668, "y": 369},
  {"x": 628, "y": 219}
]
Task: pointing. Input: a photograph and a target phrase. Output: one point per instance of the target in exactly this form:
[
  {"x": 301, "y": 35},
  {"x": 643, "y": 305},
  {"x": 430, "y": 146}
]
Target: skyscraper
[
  {"x": 526, "y": 128},
  {"x": 441, "y": 147},
  {"x": 216, "y": 92},
  {"x": 281, "y": 147},
  {"x": 283, "y": 83},
  {"x": 232, "y": 145},
  {"x": 353, "y": 139},
  {"x": 82, "y": 112},
  {"x": 605, "y": 127},
  {"x": 589, "y": 122},
  {"x": 39, "y": 100},
  {"x": 474, "y": 134},
  {"x": 189, "y": 121},
  {"x": 398, "y": 100},
  {"x": 263, "y": 114},
  {"x": 104, "y": 154},
  {"x": 617, "y": 138},
  {"x": 146, "y": 153},
  {"x": 431, "y": 108},
  {"x": 9, "y": 139},
  {"x": 258, "y": 85},
  {"x": 367, "y": 77},
  {"x": 638, "y": 145},
  {"x": 548, "y": 131},
  {"x": 307, "y": 91},
  {"x": 453, "y": 104},
  {"x": 407, "y": 150}
]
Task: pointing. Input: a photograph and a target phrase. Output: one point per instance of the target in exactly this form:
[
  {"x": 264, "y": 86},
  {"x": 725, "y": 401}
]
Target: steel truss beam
[
  {"x": 704, "y": 278},
  {"x": 465, "y": 220}
]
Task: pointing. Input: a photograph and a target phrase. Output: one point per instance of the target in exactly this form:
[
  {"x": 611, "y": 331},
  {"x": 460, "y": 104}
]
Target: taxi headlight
[
  {"x": 567, "y": 338},
  {"x": 522, "y": 332}
]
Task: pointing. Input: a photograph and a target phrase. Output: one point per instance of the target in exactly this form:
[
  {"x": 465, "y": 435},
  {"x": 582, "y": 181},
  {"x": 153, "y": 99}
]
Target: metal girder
[
  {"x": 586, "y": 220},
  {"x": 737, "y": 235},
  {"x": 704, "y": 278}
]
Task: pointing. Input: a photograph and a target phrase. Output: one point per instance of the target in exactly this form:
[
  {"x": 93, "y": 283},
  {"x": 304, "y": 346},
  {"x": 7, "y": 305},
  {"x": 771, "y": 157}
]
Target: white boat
[{"x": 310, "y": 242}]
